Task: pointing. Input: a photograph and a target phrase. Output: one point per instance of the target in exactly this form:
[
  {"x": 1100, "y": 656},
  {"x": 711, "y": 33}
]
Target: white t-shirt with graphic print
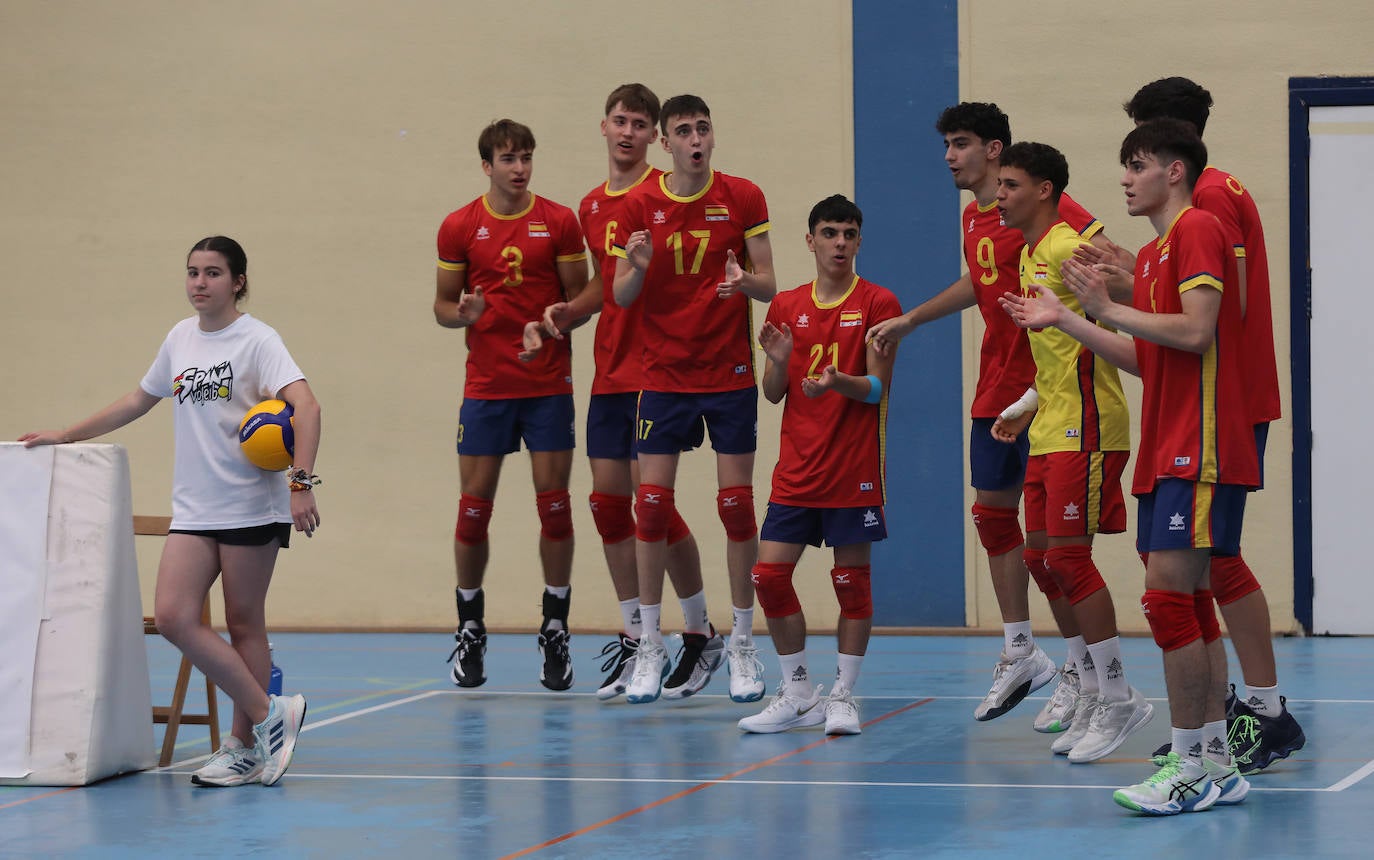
[{"x": 213, "y": 378}]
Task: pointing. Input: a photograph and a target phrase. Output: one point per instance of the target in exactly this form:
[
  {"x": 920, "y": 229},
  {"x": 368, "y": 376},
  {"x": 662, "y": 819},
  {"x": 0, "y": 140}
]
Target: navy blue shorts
[
  {"x": 1261, "y": 442},
  {"x": 494, "y": 428},
  {"x": 996, "y": 465},
  {"x": 835, "y": 526},
  {"x": 611, "y": 426},
  {"x": 670, "y": 423},
  {"x": 1181, "y": 514}
]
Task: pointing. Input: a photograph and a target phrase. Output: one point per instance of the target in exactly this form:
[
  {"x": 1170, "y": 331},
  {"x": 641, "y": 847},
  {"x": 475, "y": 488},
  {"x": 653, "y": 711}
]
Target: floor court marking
[
  {"x": 40, "y": 796},
  {"x": 700, "y": 786}
]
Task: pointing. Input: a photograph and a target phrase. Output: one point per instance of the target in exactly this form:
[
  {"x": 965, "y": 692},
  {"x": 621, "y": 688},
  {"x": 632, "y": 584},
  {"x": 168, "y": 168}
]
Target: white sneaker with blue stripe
[
  {"x": 276, "y": 735},
  {"x": 234, "y": 764}
]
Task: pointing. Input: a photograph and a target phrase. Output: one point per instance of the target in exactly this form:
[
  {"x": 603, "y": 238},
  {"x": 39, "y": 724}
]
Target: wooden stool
[{"x": 173, "y": 715}]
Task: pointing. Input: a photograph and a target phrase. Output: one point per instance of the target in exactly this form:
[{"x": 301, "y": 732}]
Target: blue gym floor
[{"x": 395, "y": 761}]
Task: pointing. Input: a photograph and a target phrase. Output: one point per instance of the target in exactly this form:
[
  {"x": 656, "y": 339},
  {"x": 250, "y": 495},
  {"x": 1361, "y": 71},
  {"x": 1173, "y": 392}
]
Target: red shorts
[{"x": 1076, "y": 493}]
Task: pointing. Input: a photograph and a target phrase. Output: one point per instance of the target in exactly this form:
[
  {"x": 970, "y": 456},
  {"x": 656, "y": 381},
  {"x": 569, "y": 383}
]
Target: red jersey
[
  {"x": 832, "y": 452},
  {"x": 992, "y": 251},
  {"x": 1221, "y": 194},
  {"x": 513, "y": 258},
  {"x": 1194, "y": 423},
  {"x": 695, "y": 341},
  {"x": 618, "y": 347}
]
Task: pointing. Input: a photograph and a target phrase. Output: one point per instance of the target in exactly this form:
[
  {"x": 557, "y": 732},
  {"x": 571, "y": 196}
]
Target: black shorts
[{"x": 251, "y": 536}]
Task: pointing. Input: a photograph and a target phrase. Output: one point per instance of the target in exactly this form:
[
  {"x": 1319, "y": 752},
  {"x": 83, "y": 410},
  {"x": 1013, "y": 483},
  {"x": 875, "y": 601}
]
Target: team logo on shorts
[
  {"x": 1071, "y": 512},
  {"x": 1177, "y": 523},
  {"x": 870, "y": 519}
]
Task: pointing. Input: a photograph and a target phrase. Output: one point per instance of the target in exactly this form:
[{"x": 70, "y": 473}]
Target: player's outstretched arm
[
  {"x": 133, "y": 405},
  {"x": 951, "y": 300}
]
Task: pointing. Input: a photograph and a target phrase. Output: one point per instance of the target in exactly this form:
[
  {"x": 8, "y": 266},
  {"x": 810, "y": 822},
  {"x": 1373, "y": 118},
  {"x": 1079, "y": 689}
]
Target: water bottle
[{"x": 274, "y": 684}]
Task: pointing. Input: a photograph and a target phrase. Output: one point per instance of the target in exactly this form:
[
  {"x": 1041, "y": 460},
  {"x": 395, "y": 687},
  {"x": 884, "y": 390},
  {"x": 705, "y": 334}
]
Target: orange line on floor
[
  {"x": 39, "y": 796},
  {"x": 701, "y": 786}
]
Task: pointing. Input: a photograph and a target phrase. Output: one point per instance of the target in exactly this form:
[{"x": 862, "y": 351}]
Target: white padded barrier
[{"x": 75, "y": 705}]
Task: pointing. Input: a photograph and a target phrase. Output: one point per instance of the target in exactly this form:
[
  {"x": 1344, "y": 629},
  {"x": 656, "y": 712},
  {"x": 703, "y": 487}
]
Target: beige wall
[
  {"x": 331, "y": 138},
  {"x": 1062, "y": 75}
]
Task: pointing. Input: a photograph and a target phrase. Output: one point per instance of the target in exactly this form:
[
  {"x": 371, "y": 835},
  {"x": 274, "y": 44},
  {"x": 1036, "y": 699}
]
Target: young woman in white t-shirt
[{"x": 228, "y": 516}]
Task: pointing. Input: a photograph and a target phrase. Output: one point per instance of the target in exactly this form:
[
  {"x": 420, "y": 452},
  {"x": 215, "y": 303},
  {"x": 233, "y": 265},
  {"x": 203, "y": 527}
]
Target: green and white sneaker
[
  {"x": 1180, "y": 785},
  {"x": 1234, "y": 787},
  {"x": 234, "y": 764}
]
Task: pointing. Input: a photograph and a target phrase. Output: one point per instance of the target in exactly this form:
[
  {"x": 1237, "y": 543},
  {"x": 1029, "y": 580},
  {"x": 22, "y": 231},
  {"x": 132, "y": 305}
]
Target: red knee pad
[
  {"x": 653, "y": 512},
  {"x": 555, "y": 514},
  {"x": 854, "y": 589},
  {"x": 1232, "y": 579},
  {"x": 473, "y": 516},
  {"x": 999, "y": 529},
  {"x": 1172, "y": 618},
  {"x": 612, "y": 515},
  {"x": 1206, "y": 616},
  {"x": 1075, "y": 571},
  {"x": 677, "y": 529},
  {"x": 773, "y": 587},
  {"x": 736, "y": 508},
  {"x": 1044, "y": 580}
]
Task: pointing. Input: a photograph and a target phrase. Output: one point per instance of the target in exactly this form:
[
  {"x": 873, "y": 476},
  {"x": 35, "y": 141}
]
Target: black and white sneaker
[
  {"x": 620, "y": 664},
  {"x": 557, "y": 673},
  {"x": 700, "y": 657},
  {"x": 467, "y": 657},
  {"x": 1258, "y": 741}
]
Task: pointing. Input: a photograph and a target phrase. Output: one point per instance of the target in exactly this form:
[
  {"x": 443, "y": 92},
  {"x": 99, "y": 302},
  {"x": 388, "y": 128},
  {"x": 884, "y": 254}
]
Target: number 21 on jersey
[{"x": 818, "y": 351}]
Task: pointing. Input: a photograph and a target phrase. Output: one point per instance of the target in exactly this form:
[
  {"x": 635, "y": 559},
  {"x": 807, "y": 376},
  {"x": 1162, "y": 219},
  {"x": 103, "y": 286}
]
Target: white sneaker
[
  {"x": 276, "y": 735},
  {"x": 698, "y": 659},
  {"x": 1083, "y": 709},
  {"x": 620, "y": 663},
  {"x": 746, "y": 672},
  {"x": 1110, "y": 725},
  {"x": 233, "y": 764},
  {"x": 1180, "y": 785},
  {"x": 1234, "y": 787},
  {"x": 651, "y": 665},
  {"x": 1057, "y": 715},
  {"x": 1012, "y": 680},
  {"x": 786, "y": 712},
  {"x": 842, "y": 714}
]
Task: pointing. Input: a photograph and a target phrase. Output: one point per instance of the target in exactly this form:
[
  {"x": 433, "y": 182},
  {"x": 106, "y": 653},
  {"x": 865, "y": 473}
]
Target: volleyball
[{"x": 267, "y": 435}]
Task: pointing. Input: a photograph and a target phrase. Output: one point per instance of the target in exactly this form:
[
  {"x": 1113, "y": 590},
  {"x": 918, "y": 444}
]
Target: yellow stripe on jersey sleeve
[
  {"x": 757, "y": 230},
  {"x": 571, "y": 258},
  {"x": 1202, "y": 279},
  {"x": 452, "y": 266}
]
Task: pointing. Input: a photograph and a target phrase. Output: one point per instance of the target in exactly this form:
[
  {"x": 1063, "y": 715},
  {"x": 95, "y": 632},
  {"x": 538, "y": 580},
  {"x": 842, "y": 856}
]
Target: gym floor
[{"x": 395, "y": 760}]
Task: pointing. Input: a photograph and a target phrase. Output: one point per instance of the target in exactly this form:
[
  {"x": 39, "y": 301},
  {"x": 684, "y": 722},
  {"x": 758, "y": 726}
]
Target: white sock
[
  {"x": 1017, "y": 639},
  {"x": 694, "y": 615},
  {"x": 629, "y": 617},
  {"x": 470, "y": 593},
  {"x": 796, "y": 681},
  {"x": 559, "y": 591},
  {"x": 743, "y": 629},
  {"x": 1264, "y": 701},
  {"x": 1214, "y": 744},
  {"x": 1188, "y": 744},
  {"x": 649, "y": 619},
  {"x": 1087, "y": 669},
  {"x": 1111, "y": 676},
  {"x": 847, "y": 672}
]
